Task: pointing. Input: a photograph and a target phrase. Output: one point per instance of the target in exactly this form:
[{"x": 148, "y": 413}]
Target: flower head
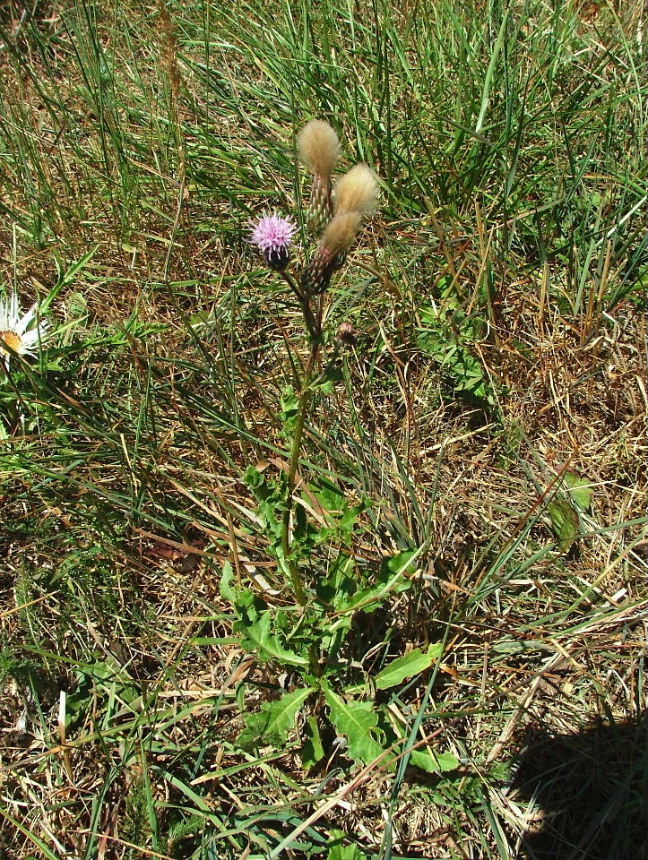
[
  {"x": 331, "y": 252},
  {"x": 357, "y": 191},
  {"x": 340, "y": 233},
  {"x": 318, "y": 147},
  {"x": 273, "y": 236},
  {"x": 16, "y": 330}
]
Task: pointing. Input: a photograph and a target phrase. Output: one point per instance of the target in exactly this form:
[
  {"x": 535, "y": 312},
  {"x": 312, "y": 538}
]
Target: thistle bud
[
  {"x": 319, "y": 149},
  {"x": 341, "y": 232},
  {"x": 357, "y": 191},
  {"x": 336, "y": 241}
]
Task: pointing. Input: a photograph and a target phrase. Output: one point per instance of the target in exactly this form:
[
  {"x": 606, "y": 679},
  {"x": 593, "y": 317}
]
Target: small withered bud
[
  {"x": 346, "y": 334},
  {"x": 331, "y": 252},
  {"x": 357, "y": 191}
]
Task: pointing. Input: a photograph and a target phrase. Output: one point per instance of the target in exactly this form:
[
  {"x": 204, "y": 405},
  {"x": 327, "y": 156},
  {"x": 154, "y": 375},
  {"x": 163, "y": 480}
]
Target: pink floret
[{"x": 273, "y": 233}]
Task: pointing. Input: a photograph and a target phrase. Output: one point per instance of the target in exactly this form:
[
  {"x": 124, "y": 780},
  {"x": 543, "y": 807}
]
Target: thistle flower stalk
[{"x": 340, "y": 217}]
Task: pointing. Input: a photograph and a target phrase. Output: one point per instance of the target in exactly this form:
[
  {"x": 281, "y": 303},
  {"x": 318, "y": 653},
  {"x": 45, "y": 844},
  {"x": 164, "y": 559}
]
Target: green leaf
[
  {"x": 356, "y": 721},
  {"x": 425, "y": 759},
  {"x": 312, "y": 751},
  {"x": 273, "y": 722},
  {"x": 411, "y": 664},
  {"x": 199, "y": 319},
  {"x": 329, "y": 496},
  {"x": 432, "y": 762},
  {"x": 341, "y": 515},
  {"x": 339, "y": 848},
  {"x": 259, "y": 640},
  {"x": 253, "y": 477},
  {"x": 328, "y": 380},
  {"x": 402, "y": 561},
  {"x": 447, "y": 336},
  {"x": 564, "y": 522},
  {"x": 226, "y": 588},
  {"x": 289, "y": 411},
  {"x": 391, "y": 580},
  {"x": 579, "y": 490}
]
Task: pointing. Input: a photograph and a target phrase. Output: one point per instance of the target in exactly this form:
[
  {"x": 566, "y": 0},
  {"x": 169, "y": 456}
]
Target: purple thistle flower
[{"x": 273, "y": 236}]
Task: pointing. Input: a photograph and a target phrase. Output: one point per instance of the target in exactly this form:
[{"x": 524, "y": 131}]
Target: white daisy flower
[{"x": 16, "y": 330}]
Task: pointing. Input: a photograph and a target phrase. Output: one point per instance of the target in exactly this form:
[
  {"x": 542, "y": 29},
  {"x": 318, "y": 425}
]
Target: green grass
[{"x": 510, "y": 247}]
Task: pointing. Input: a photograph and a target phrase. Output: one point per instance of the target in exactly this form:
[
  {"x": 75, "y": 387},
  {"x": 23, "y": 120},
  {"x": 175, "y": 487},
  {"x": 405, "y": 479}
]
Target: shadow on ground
[{"x": 591, "y": 789}]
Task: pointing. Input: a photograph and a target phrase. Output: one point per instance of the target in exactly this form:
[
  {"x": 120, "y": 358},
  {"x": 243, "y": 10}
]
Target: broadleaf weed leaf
[{"x": 272, "y": 723}]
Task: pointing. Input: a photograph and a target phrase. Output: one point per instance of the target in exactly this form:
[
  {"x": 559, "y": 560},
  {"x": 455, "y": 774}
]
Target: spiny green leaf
[
  {"x": 402, "y": 561},
  {"x": 411, "y": 664},
  {"x": 339, "y": 848},
  {"x": 356, "y": 721},
  {"x": 312, "y": 751},
  {"x": 259, "y": 640},
  {"x": 329, "y": 496},
  {"x": 226, "y": 583},
  {"x": 432, "y": 762},
  {"x": 425, "y": 759},
  {"x": 342, "y": 515},
  {"x": 289, "y": 411},
  {"x": 391, "y": 580},
  {"x": 273, "y": 722}
]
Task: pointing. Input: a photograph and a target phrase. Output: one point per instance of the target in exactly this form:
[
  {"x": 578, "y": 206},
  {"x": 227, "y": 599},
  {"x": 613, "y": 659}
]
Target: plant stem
[
  {"x": 314, "y": 327},
  {"x": 302, "y": 409}
]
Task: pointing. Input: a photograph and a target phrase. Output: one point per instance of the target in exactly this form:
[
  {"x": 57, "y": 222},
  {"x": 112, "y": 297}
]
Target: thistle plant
[
  {"x": 356, "y": 196},
  {"x": 312, "y": 641},
  {"x": 316, "y": 555}
]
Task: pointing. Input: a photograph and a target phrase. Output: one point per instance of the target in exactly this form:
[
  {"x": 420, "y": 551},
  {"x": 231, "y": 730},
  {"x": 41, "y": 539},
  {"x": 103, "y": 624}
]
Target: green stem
[
  {"x": 312, "y": 324},
  {"x": 302, "y": 410}
]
